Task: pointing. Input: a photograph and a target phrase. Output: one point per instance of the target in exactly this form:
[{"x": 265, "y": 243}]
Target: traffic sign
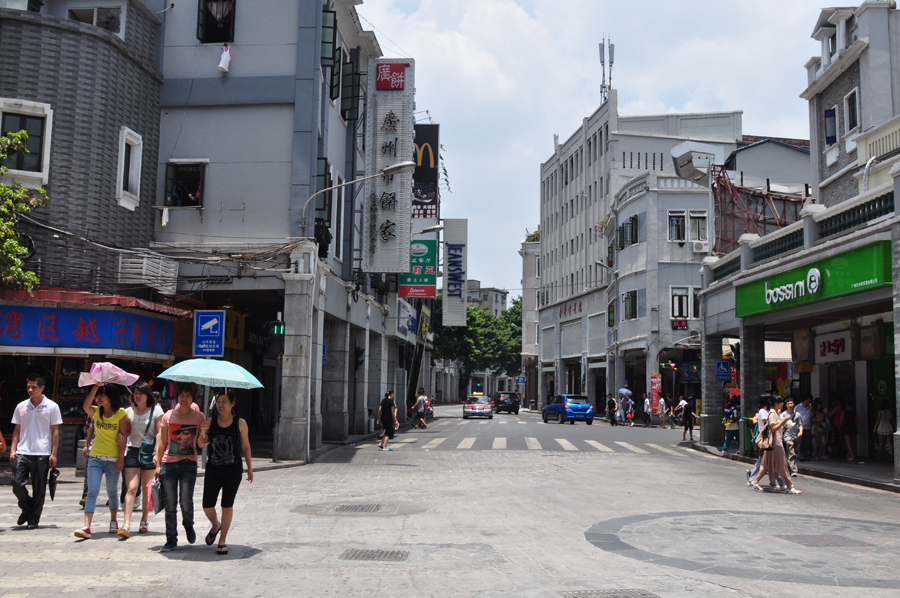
[
  {"x": 209, "y": 333},
  {"x": 521, "y": 380},
  {"x": 723, "y": 371}
]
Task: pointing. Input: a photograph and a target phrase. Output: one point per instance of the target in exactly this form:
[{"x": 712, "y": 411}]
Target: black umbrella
[{"x": 54, "y": 475}]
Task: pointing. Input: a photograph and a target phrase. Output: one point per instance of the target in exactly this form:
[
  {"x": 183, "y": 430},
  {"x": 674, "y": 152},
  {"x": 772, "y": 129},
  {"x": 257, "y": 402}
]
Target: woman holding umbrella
[
  {"x": 227, "y": 437},
  {"x": 176, "y": 463},
  {"x": 106, "y": 457}
]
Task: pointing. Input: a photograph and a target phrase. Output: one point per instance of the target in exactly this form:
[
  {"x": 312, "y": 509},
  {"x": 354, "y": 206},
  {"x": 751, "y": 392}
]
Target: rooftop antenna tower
[
  {"x": 612, "y": 58},
  {"x": 603, "y": 69}
]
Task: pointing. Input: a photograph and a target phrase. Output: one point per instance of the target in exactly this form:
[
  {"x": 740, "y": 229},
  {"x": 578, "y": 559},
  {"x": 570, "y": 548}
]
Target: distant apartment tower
[{"x": 487, "y": 298}]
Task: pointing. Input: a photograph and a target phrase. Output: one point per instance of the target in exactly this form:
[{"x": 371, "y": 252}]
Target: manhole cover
[
  {"x": 372, "y": 554},
  {"x": 628, "y": 593},
  {"x": 824, "y": 541},
  {"x": 358, "y": 508}
]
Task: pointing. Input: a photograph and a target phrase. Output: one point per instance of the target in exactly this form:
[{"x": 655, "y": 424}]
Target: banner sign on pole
[
  {"x": 421, "y": 281},
  {"x": 456, "y": 234}
]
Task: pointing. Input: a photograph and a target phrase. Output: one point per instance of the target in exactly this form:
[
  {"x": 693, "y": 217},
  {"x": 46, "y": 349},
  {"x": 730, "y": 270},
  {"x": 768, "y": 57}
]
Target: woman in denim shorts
[{"x": 144, "y": 415}]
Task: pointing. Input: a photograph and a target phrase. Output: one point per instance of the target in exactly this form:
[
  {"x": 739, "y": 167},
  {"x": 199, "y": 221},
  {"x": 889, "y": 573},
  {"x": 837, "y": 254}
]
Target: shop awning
[{"x": 58, "y": 295}]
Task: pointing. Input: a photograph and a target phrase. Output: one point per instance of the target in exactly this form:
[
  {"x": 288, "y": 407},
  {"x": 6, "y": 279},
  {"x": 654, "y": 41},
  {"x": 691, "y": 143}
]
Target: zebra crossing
[{"x": 499, "y": 443}]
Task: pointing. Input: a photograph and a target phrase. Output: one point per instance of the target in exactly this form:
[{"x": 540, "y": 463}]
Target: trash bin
[
  {"x": 371, "y": 421},
  {"x": 533, "y": 405},
  {"x": 748, "y": 424}
]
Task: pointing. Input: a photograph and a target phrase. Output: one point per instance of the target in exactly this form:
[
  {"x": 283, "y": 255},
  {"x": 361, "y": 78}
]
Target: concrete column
[
  {"x": 335, "y": 411},
  {"x": 357, "y": 376},
  {"x": 712, "y": 432},
  {"x": 315, "y": 424},
  {"x": 895, "y": 256},
  {"x": 753, "y": 370},
  {"x": 620, "y": 374},
  {"x": 377, "y": 367},
  {"x": 862, "y": 409}
]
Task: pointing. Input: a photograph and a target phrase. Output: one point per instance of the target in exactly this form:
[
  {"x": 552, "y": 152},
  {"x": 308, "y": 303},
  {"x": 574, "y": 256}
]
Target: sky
[{"x": 502, "y": 77}]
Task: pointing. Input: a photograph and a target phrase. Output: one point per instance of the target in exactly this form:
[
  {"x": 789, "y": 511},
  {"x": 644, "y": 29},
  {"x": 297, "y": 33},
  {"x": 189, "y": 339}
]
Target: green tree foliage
[
  {"x": 487, "y": 343},
  {"x": 15, "y": 200}
]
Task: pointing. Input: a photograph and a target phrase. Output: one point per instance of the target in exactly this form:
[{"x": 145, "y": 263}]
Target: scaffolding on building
[{"x": 749, "y": 210}]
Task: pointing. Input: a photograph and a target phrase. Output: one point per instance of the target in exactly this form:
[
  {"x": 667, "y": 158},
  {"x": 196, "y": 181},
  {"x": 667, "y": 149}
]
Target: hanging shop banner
[
  {"x": 862, "y": 269},
  {"x": 406, "y": 321},
  {"x": 421, "y": 281},
  {"x": 837, "y": 346},
  {"x": 425, "y": 177},
  {"x": 655, "y": 391},
  {"x": 456, "y": 235},
  {"x": 94, "y": 329},
  {"x": 424, "y": 323},
  {"x": 390, "y": 125}
]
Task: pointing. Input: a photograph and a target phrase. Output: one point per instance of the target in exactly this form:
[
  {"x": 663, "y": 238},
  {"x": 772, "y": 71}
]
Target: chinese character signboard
[
  {"x": 387, "y": 205},
  {"x": 209, "y": 333},
  {"x": 425, "y": 177},
  {"x": 22, "y": 326},
  {"x": 655, "y": 392},
  {"x": 454, "y": 295},
  {"x": 422, "y": 277}
]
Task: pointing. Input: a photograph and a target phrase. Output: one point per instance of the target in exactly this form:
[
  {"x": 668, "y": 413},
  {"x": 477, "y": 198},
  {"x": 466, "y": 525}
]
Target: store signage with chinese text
[
  {"x": 22, "y": 326},
  {"x": 655, "y": 391},
  {"x": 421, "y": 281},
  {"x": 861, "y": 269}
]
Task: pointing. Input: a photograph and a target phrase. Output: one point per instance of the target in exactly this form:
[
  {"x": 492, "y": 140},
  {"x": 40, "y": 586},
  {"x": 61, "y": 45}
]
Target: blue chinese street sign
[
  {"x": 23, "y": 326},
  {"x": 723, "y": 371},
  {"x": 209, "y": 333}
]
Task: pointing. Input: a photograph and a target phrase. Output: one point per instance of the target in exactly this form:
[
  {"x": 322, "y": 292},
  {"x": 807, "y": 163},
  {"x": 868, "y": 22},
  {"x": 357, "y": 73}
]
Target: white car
[{"x": 479, "y": 405}]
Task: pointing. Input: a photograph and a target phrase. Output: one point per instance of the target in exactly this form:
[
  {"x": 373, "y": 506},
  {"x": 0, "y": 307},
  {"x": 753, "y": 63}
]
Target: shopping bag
[{"x": 156, "y": 497}]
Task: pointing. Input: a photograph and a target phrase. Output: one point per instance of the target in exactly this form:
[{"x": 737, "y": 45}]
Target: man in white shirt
[
  {"x": 805, "y": 436},
  {"x": 33, "y": 449},
  {"x": 648, "y": 409}
]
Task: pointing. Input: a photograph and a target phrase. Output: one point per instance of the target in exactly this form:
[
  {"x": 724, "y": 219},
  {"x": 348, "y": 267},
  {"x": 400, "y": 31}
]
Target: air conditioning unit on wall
[
  {"x": 701, "y": 246},
  {"x": 149, "y": 270}
]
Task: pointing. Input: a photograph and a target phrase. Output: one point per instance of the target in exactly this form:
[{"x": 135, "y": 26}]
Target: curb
[{"x": 812, "y": 473}]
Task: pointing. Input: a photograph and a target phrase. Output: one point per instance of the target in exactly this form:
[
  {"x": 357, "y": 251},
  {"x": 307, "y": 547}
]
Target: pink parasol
[{"x": 106, "y": 373}]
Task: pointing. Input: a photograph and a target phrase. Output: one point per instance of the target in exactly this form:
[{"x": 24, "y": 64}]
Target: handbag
[
  {"x": 148, "y": 447},
  {"x": 763, "y": 440},
  {"x": 156, "y": 495}
]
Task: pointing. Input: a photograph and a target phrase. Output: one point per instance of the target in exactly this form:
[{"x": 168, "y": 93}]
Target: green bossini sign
[{"x": 854, "y": 271}]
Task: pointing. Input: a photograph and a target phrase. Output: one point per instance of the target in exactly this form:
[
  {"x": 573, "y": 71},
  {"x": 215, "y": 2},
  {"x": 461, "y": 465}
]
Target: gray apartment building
[{"x": 830, "y": 283}]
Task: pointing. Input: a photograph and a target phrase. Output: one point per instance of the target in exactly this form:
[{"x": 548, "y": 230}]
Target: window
[
  {"x": 184, "y": 183},
  {"x": 35, "y": 5},
  {"x": 676, "y": 226},
  {"x": 215, "y": 21},
  {"x": 611, "y": 256},
  {"x": 611, "y": 314},
  {"x": 484, "y": 296},
  {"x": 654, "y": 160},
  {"x": 323, "y": 181},
  {"x": 695, "y": 304},
  {"x": 104, "y": 18},
  {"x": 589, "y": 152},
  {"x": 851, "y": 111},
  {"x": 629, "y": 305},
  {"x": 335, "y": 91},
  {"x": 349, "y": 92},
  {"x": 30, "y": 160},
  {"x": 661, "y": 162},
  {"x": 128, "y": 177},
  {"x": 680, "y": 304},
  {"x": 831, "y": 126},
  {"x": 620, "y": 238},
  {"x": 698, "y": 225},
  {"x": 338, "y": 217},
  {"x": 329, "y": 37},
  {"x": 630, "y": 231}
]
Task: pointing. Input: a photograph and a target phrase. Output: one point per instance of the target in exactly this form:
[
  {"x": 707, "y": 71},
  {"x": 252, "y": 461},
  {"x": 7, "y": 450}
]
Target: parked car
[
  {"x": 507, "y": 401},
  {"x": 479, "y": 405},
  {"x": 569, "y": 408}
]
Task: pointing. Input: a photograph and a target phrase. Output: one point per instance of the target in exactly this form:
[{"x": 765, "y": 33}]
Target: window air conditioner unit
[
  {"x": 149, "y": 270},
  {"x": 701, "y": 246}
]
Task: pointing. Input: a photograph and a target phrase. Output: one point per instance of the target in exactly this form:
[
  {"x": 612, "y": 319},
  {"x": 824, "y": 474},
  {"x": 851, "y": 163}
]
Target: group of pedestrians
[
  {"x": 774, "y": 421},
  {"x": 620, "y": 411},
  {"x": 142, "y": 442}
]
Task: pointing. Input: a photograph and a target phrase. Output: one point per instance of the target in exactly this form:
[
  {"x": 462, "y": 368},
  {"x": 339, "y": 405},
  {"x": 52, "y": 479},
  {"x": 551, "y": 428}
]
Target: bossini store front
[{"x": 833, "y": 302}]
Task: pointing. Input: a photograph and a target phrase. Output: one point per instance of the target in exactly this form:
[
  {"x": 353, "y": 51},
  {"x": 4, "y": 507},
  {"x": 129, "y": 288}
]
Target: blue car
[{"x": 569, "y": 408}]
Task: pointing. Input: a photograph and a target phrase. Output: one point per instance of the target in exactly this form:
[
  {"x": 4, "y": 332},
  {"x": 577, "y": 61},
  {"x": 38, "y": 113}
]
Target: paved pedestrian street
[{"x": 511, "y": 507}]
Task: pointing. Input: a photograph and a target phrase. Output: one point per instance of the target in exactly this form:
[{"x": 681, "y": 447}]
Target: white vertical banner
[
  {"x": 456, "y": 238},
  {"x": 390, "y": 126}
]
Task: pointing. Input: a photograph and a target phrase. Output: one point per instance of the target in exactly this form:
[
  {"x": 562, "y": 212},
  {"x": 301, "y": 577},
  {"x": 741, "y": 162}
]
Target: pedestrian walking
[
  {"x": 818, "y": 430},
  {"x": 32, "y": 451},
  {"x": 884, "y": 427},
  {"x": 629, "y": 412},
  {"x": 686, "y": 410},
  {"x": 731, "y": 419},
  {"x": 228, "y": 438},
  {"x": 804, "y": 448},
  {"x": 765, "y": 405},
  {"x": 849, "y": 428},
  {"x": 648, "y": 408},
  {"x": 421, "y": 405},
  {"x": 107, "y": 454},
  {"x": 176, "y": 463},
  {"x": 663, "y": 409},
  {"x": 611, "y": 410},
  {"x": 774, "y": 461},
  {"x": 144, "y": 415},
  {"x": 792, "y": 435},
  {"x": 620, "y": 409},
  {"x": 387, "y": 414}
]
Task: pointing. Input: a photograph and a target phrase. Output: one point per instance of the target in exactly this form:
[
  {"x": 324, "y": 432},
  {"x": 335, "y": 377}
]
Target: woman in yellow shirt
[{"x": 106, "y": 457}]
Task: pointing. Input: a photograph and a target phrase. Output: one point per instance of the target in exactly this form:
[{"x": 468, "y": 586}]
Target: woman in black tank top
[{"x": 227, "y": 438}]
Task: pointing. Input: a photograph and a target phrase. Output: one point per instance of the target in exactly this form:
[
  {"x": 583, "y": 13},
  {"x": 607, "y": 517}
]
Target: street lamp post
[{"x": 398, "y": 168}]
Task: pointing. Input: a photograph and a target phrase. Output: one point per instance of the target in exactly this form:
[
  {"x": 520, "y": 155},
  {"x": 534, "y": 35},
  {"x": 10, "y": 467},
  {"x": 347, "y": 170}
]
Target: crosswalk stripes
[
  {"x": 504, "y": 422},
  {"x": 600, "y": 447},
  {"x": 631, "y": 447},
  {"x": 566, "y": 444},
  {"x": 521, "y": 422},
  {"x": 434, "y": 443},
  {"x": 665, "y": 450},
  {"x": 462, "y": 423},
  {"x": 533, "y": 444},
  {"x": 484, "y": 422},
  {"x": 499, "y": 444},
  {"x": 407, "y": 440},
  {"x": 466, "y": 443}
]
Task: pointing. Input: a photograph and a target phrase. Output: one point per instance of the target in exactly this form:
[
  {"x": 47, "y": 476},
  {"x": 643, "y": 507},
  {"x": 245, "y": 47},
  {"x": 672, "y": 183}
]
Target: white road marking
[
  {"x": 665, "y": 450},
  {"x": 462, "y": 423},
  {"x": 404, "y": 440},
  {"x": 566, "y": 444},
  {"x": 523, "y": 422},
  {"x": 499, "y": 443},
  {"x": 483, "y": 422},
  {"x": 631, "y": 447},
  {"x": 533, "y": 443},
  {"x": 504, "y": 422},
  {"x": 600, "y": 447},
  {"x": 434, "y": 443},
  {"x": 466, "y": 443}
]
